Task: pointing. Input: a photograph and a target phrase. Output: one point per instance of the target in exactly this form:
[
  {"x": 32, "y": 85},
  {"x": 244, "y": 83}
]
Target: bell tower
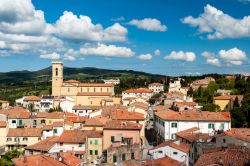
[{"x": 57, "y": 78}]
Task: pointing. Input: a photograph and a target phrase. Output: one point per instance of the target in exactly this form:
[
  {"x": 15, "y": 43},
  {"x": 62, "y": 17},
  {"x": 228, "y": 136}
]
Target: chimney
[{"x": 25, "y": 159}]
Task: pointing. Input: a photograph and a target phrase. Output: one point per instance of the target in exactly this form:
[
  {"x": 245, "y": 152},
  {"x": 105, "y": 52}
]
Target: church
[{"x": 84, "y": 94}]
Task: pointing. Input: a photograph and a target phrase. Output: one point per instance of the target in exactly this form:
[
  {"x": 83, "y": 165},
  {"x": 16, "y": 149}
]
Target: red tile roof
[
  {"x": 96, "y": 85},
  {"x": 3, "y": 123},
  {"x": 226, "y": 97},
  {"x": 37, "y": 160},
  {"x": 76, "y": 119},
  {"x": 69, "y": 159},
  {"x": 16, "y": 113},
  {"x": 32, "y": 98},
  {"x": 182, "y": 146},
  {"x": 140, "y": 90},
  {"x": 239, "y": 133},
  {"x": 55, "y": 115},
  {"x": 72, "y": 136},
  {"x": 194, "y": 115},
  {"x": 25, "y": 132},
  {"x": 126, "y": 115},
  {"x": 71, "y": 81},
  {"x": 94, "y": 94},
  {"x": 155, "y": 84},
  {"x": 87, "y": 107},
  {"x": 44, "y": 145},
  {"x": 96, "y": 121},
  {"x": 165, "y": 161},
  {"x": 122, "y": 125},
  {"x": 233, "y": 155}
]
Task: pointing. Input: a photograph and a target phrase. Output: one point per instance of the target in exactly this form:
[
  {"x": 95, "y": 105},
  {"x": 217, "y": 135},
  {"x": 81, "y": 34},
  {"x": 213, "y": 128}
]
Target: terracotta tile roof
[
  {"x": 69, "y": 159},
  {"x": 93, "y": 134},
  {"x": 94, "y": 94},
  {"x": 16, "y": 113},
  {"x": 3, "y": 123},
  {"x": 107, "y": 110},
  {"x": 44, "y": 145},
  {"x": 86, "y": 107},
  {"x": 155, "y": 84},
  {"x": 58, "y": 124},
  {"x": 4, "y": 101},
  {"x": 194, "y": 115},
  {"x": 126, "y": 115},
  {"x": 139, "y": 105},
  {"x": 72, "y": 136},
  {"x": 139, "y": 90},
  {"x": 180, "y": 104},
  {"x": 55, "y": 115},
  {"x": 47, "y": 127},
  {"x": 233, "y": 155},
  {"x": 122, "y": 125},
  {"x": 239, "y": 133},
  {"x": 182, "y": 146},
  {"x": 130, "y": 98},
  {"x": 32, "y": 98},
  {"x": 25, "y": 132},
  {"x": 76, "y": 119},
  {"x": 165, "y": 161},
  {"x": 96, "y": 121},
  {"x": 193, "y": 134},
  {"x": 79, "y": 152},
  {"x": 161, "y": 108},
  {"x": 226, "y": 97},
  {"x": 71, "y": 81},
  {"x": 37, "y": 160},
  {"x": 41, "y": 114},
  {"x": 96, "y": 85}
]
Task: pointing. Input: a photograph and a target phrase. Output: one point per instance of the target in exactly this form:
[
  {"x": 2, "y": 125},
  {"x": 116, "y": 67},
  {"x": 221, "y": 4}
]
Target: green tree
[
  {"x": 210, "y": 107},
  {"x": 6, "y": 158}
]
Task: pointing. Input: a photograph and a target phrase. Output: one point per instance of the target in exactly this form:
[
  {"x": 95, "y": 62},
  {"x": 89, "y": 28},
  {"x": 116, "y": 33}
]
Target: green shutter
[
  {"x": 112, "y": 138},
  {"x": 96, "y": 142},
  {"x": 90, "y": 152},
  {"x": 96, "y": 152},
  {"x": 20, "y": 122},
  {"x": 123, "y": 157},
  {"x": 114, "y": 159},
  {"x": 132, "y": 156},
  {"x": 122, "y": 139}
]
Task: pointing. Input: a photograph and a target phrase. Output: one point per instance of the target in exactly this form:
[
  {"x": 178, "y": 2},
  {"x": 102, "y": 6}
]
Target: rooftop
[
  {"x": 94, "y": 94},
  {"x": 155, "y": 84},
  {"x": 126, "y": 115},
  {"x": 122, "y": 125},
  {"x": 165, "y": 161},
  {"x": 96, "y": 121},
  {"x": 194, "y": 115},
  {"x": 25, "y": 132},
  {"x": 72, "y": 136},
  {"x": 16, "y": 113},
  {"x": 239, "y": 133},
  {"x": 86, "y": 107},
  {"x": 139, "y": 90},
  {"x": 32, "y": 98},
  {"x": 44, "y": 145}
]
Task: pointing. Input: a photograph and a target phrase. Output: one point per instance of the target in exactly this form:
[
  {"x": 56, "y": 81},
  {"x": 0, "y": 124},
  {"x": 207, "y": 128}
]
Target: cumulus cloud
[
  {"x": 52, "y": 56},
  {"x": 149, "y": 24},
  {"x": 218, "y": 25},
  {"x": 157, "y": 52},
  {"x": 233, "y": 56},
  {"x": 180, "y": 55},
  {"x": 81, "y": 28},
  {"x": 145, "y": 57},
  {"x": 107, "y": 51},
  {"x": 211, "y": 58}
]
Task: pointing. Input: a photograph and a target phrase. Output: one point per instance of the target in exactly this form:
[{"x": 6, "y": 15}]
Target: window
[
  {"x": 96, "y": 142},
  {"x": 96, "y": 152},
  {"x": 174, "y": 125},
  {"x": 123, "y": 157},
  {"x": 80, "y": 145},
  {"x": 81, "y": 89},
  {"x": 101, "y": 89},
  {"x": 13, "y": 121},
  {"x": 94, "y": 89},
  {"x": 91, "y": 152},
  {"x": 90, "y": 142},
  {"x": 132, "y": 156},
  {"x": 211, "y": 126},
  {"x": 88, "y": 89},
  {"x": 122, "y": 139},
  {"x": 68, "y": 89},
  {"x": 56, "y": 71},
  {"x": 175, "y": 153},
  {"x": 172, "y": 136},
  {"x": 39, "y": 138},
  {"x": 9, "y": 139},
  {"x": 114, "y": 158},
  {"x": 222, "y": 126},
  {"x": 61, "y": 144},
  {"x": 55, "y": 131},
  {"x": 16, "y": 139},
  {"x": 25, "y": 139},
  {"x": 112, "y": 138}
]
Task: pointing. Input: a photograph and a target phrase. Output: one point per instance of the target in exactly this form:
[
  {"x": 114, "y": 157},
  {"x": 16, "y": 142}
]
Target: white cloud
[
  {"x": 53, "y": 56},
  {"x": 107, "y": 51},
  {"x": 218, "y": 25},
  {"x": 149, "y": 24},
  {"x": 184, "y": 56},
  {"x": 81, "y": 28},
  {"x": 211, "y": 59},
  {"x": 145, "y": 57},
  {"x": 121, "y": 18},
  {"x": 233, "y": 56},
  {"x": 157, "y": 52}
]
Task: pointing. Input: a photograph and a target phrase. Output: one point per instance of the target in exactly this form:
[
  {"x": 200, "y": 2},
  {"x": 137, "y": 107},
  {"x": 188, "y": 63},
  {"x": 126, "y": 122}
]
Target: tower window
[
  {"x": 68, "y": 89},
  {"x": 56, "y": 71}
]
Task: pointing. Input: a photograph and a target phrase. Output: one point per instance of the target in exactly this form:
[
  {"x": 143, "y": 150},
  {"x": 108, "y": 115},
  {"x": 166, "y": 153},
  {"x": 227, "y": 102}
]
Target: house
[
  {"x": 237, "y": 136},
  {"x": 165, "y": 161},
  {"x": 140, "y": 92},
  {"x": 54, "y": 117},
  {"x": 232, "y": 155},
  {"x": 156, "y": 87},
  {"x": 4, "y": 104},
  {"x": 121, "y": 131},
  {"x": 130, "y": 100},
  {"x": 176, "y": 87},
  {"x": 22, "y": 137},
  {"x": 84, "y": 110},
  {"x": 56, "y": 129},
  {"x": 16, "y": 117},
  {"x": 120, "y": 152},
  {"x": 46, "y": 103},
  {"x": 95, "y": 123},
  {"x": 176, "y": 150},
  {"x": 32, "y": 102},
  {"x": 168, "y": 123},
  {"x": 180, "y": 106},
  {"x": 82, "y": 93},
  {"x": 225, "y": 102},
  {"x": 4, "y": 127},
  {"x": 94, "y": 145},
  {"x": 202, "y": 83},
  {"x": 112, "y": 81},
  {"x": 139, "y": 107}
]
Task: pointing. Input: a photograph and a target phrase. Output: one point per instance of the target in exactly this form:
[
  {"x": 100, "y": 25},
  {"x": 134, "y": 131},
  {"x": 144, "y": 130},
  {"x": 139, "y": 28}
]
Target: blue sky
[{"x": 192, "y": 37}]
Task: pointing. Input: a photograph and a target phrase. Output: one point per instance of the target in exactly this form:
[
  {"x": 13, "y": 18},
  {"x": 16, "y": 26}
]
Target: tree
[
  {"x": 210, "y": 107},
  {"x": 6, "y": 158},
  {"x": 238, "y": 117},
  {"x": 31, "y": 107},
  {"x": 236, "y": 103}
]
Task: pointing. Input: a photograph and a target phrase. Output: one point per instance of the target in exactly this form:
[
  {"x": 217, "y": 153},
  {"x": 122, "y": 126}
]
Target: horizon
[{"x": 164, "y": 37}]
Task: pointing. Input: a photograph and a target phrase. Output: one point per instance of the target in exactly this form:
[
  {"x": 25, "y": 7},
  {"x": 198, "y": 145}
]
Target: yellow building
[
  {"x": 83, "y": 93},
  {"x": 224, "y": 102}
]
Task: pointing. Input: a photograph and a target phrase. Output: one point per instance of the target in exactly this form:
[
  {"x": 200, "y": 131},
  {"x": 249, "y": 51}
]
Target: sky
[{"x": 157, "y": 36}]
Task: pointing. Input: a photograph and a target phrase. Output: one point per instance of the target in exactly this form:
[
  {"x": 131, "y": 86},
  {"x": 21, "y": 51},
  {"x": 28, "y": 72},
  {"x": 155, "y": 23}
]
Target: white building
[
  {"x": 156, "y": 87},
  {"x": 174, "y": 149},
  {"x": 84, "y": 110},
  {"x": 176, "y": 87},
  {"x": 27, "y": 101},
  {"x": 47, "y": 103},
  {"x": 112, "y": 81},
  {"x": 168, "y": 123},
  {"x": 135, "y": 93}
]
